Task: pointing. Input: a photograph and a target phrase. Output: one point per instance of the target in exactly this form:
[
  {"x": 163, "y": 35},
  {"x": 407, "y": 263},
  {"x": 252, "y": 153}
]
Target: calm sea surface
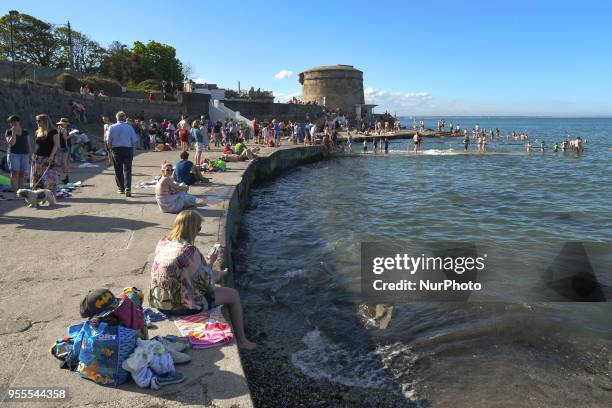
[{"x": 299, "y": 266}]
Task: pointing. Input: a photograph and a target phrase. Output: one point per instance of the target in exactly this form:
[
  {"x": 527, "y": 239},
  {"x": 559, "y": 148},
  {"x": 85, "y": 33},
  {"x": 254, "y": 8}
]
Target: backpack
[{"x": 128, "y": 314}]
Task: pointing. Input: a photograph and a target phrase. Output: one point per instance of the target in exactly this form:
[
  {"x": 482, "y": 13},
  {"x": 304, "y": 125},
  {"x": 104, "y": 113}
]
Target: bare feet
[{"x": 247, "y": 345}]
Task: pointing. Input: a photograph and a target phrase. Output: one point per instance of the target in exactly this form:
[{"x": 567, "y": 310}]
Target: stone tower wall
[{"x": 342, "y": 89}]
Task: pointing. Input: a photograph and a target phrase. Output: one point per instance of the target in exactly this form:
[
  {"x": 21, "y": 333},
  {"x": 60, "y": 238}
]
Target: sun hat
[
  {"x": 74, "y": 132},
  {"x": 63, "y": 121},
  {"x": 99, "y": 302}
]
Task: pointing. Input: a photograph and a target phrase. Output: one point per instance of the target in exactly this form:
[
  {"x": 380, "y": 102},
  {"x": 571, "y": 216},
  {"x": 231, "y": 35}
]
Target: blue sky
[{"x": 424, "y": 58}]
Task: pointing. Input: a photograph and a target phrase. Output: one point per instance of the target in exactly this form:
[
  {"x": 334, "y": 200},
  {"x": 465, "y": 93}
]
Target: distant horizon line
[{"x": 508, "y": 116}]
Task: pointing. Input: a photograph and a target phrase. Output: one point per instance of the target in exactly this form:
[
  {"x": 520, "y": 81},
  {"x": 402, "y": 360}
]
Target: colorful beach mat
[{"x": 205, "y": 329}]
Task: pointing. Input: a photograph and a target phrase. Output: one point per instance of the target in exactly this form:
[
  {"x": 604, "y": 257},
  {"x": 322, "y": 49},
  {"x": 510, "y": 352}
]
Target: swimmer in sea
[
  {"x": 417, "y": 141},
  {"x": 365, "y": 145},
  {"x": 556, "y": 147},
  {"x": 466, "y": 142},
  {"x": 529, "y": 147},
  {"x": 577, "y": 145},
  {"x": 386, "y": 145},
  {"x": 565, "y": 145},
  {"x": 542, "y": 146}
]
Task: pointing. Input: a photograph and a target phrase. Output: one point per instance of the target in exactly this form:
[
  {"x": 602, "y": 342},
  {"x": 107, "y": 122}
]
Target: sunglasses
[{"x": 168, "y": 169}]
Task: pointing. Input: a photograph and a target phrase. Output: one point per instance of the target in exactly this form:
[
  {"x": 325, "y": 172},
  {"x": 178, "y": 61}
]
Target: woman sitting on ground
[
  {"x": 171, "y": 197},
  {"x": 183, "y": 283},
  {"x": 227, "y": 149},
  {"x": 246, "y": 154}
]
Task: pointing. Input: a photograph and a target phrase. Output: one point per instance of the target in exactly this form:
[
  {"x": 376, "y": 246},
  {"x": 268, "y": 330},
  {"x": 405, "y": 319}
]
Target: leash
[{"x": 41, "y": 176}]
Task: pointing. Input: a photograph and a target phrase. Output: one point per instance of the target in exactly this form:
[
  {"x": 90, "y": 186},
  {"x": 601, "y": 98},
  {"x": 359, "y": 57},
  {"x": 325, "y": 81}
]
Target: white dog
[{"x": 36, "y": 197}]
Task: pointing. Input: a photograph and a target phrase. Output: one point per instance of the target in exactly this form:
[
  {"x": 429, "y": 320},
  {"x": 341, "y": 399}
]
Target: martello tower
[{"x": 335, "y": 86}]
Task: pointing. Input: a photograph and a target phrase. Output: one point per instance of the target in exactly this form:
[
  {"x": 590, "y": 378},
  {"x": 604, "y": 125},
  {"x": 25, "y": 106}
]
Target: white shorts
[{"x": 200, "y": 147}]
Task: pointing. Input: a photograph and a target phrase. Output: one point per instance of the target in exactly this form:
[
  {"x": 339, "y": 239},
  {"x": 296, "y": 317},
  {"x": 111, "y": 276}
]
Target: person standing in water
[
  {"x": 386, "y": 145},
  {"x": 365, "y": 145},
  {"x": 417, "y": 141},
  {"x": 466, "y": 142}
]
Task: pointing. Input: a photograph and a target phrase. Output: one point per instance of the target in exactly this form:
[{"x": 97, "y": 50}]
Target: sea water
[{"x": 299, "y": 265}]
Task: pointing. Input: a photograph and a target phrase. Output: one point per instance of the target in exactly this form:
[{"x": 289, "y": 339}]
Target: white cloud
[
  {"x": 199, "y": 80},
  {"x": 404, "y": 103},
  {"x": 283, "y": 74}
]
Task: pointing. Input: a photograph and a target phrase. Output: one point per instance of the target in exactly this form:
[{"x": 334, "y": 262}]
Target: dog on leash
[{"x": 34, "y": 198}]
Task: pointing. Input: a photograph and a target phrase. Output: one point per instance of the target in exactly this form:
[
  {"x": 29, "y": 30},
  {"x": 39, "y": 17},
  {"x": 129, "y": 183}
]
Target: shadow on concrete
[
  {"x": 98, "y": 200},
  {"x": 210, "y": 213},
  {"x": 204, "y": 382},
  {"x": 77, "y": 223}
]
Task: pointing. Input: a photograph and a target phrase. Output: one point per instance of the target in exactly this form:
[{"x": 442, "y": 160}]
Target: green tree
[
  {"x": 114, "y": 64},
  {"x": 34, "y": 40},
  {"x": 87, "y": 54},
  {"x": 161, "y": 60}
]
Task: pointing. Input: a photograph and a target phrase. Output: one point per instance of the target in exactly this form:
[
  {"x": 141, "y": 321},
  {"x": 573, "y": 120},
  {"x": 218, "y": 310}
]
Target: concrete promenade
[{"x": 97, "y": 238}]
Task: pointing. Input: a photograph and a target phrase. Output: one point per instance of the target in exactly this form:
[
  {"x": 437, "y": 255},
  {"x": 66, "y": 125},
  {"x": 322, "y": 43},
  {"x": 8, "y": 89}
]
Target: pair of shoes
[
  {"x": 128, "y": 193},
  {"x": 171, "y": 378},
  {"x": 177, "y": 356},
  {"x": 175, "y": 344},
  {"x": 120, "y": 191},
  {"x": 175, "y": 348},
  {"x": 65, "y": 180}
]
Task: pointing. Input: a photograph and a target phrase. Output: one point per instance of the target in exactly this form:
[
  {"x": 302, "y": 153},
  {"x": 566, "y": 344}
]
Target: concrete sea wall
[{"x": 261, "y": 169}]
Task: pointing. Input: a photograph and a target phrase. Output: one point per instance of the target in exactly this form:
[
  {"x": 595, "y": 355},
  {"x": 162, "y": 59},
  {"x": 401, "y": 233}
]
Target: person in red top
[
  {"x": 152, "y": 96},
  {"x": 227, "y": 149},
  {"x": 255, "y": 128}
]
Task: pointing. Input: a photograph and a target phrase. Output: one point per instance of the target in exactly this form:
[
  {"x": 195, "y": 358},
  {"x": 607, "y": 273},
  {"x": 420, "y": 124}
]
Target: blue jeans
[{"x": 122, "y": 161}]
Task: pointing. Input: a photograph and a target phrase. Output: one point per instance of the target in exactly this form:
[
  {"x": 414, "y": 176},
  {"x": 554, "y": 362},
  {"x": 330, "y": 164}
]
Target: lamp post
[
  {"x": 12, "y": 13},
  {"x": 123, "y": 46}
]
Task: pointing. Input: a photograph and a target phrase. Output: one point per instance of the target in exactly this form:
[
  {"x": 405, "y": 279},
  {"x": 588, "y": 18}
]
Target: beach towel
[{"x": 205, "y": 329}]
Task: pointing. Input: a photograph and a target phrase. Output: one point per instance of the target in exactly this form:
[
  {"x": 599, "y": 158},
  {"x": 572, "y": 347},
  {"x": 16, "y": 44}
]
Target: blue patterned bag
[{"x": 103, "y": 350}]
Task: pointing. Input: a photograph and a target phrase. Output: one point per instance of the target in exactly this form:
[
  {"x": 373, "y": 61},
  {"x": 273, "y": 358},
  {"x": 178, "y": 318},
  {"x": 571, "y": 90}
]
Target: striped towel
[{"x": 205, "y": 329}]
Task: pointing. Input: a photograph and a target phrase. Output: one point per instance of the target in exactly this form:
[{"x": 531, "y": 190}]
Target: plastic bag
[{"x": 103, "y": 350}]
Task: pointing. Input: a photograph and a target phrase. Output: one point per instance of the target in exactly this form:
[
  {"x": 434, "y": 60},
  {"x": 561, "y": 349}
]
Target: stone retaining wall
[
  {"x": 279, "y": 111},
  {"x": 30, "y": 100},
  {"x": 261, "y": 169}
]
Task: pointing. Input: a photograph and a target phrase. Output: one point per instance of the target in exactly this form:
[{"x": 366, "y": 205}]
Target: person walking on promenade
[
  {"x": 277, "y": 133},
  {"x": 217, "y": 133},
  {"x": 44, "y": 171},
  {"x": 64, "y": 153},
  {"x": 107, "y": 124},
  {"x": 121, "y": 141},
  {"x": 19, "y": 152},
  {"x": 198, "y": 137}
]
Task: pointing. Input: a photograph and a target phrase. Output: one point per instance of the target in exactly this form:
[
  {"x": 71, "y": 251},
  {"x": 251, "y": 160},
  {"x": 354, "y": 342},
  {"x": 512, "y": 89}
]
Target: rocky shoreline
[{"x": 275, "y": 382}]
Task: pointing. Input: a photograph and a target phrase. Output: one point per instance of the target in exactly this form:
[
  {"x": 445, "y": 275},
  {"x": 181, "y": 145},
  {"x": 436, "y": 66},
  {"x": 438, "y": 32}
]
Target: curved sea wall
[{"x": 261, "y": 169}]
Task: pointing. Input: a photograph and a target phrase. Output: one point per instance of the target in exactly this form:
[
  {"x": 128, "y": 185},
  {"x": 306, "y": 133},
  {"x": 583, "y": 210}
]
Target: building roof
[{"x": 338, "y": 67}]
